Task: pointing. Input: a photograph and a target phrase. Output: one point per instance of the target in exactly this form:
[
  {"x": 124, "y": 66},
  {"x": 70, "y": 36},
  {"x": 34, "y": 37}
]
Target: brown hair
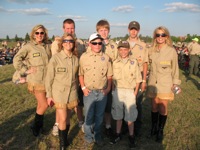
[
  {"x": 68, "y": 21},
  {"x": 102, "y": 23}
]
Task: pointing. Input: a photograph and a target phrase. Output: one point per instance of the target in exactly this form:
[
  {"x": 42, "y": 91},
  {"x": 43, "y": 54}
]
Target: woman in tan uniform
[
  {"x": 61, "y": 85},
  {"x": 36, "y": 54},
  {"x": 164, "y": 77}
]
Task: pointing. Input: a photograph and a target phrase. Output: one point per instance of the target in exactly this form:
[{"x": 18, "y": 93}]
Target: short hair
[
  {"x": 102, "y": 23},
  {"x": 35, "y": 28},
  {"x": 68, "y": 21}
]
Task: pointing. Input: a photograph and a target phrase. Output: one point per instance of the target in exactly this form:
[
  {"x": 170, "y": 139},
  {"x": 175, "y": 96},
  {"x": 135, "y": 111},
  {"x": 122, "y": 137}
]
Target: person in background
[
  {"x": 95, "y": 77},
  {"x": 139, "y": 52},
  {"x": 37, "y": 54},
  {"x": 109, "y": 48},
  {"x": 61, "y": 84},
  {"x": 126, "y": 79},
  {"x": 194, "y": 53},
  {"x": 163, "y": 80},
  {"x": 69, "y": 27}
]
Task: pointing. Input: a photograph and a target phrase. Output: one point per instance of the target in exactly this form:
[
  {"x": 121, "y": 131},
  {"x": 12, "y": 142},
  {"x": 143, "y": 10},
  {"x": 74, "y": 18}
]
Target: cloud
[
  {"x": 119, "y": 24},
  {"x": 75, "y": 18},
  {"x": 28, "y": 1},
  {"x": 31, "y": 11},
  {"x": 181, "y": 7},
  {"x": 124, "y": 9}
]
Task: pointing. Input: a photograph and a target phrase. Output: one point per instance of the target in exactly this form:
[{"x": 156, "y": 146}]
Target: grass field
[{"x": 17, "y": 109}]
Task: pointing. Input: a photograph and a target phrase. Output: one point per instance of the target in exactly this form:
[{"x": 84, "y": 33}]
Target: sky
[{"x": 18, "y": 17}]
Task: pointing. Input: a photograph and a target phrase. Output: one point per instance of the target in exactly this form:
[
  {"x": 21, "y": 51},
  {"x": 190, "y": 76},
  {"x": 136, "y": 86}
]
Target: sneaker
[
  {"x": 82, "y": 128},
  {"x": 116, "y": 138},
  {"x": 55, "y": 129},
  {"x": 131, "y": 141},
  {"x": 109, "y": 132}
]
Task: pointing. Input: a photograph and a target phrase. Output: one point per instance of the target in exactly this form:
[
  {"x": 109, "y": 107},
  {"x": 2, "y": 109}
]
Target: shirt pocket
[
  {"x": 164, "y": 69},
  {"x": 87, "y": 69}
]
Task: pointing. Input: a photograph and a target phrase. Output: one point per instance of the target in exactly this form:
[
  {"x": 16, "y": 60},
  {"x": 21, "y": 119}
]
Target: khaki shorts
[
  {"x": 69, "y": 105},
  {"x": 124, "y": 105},
  {"x": 36, "y": 87}
]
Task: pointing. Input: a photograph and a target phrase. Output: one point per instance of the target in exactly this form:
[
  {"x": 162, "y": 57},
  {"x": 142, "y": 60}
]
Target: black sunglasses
[
  {"x": 161, "y": 35},
  {"x": 68, "y": 41},
  {"x": 95, "y": 43},
  {"x": 41, "y": 33}
]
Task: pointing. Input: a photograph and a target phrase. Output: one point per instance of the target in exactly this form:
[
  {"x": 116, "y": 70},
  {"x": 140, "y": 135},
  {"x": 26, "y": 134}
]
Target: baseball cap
[
  {"x": 95, "y": 36},
  {"x": 124, "y": 44},
  {"x": 195, "y": 39},
  {"x": 134, "y": 24}
]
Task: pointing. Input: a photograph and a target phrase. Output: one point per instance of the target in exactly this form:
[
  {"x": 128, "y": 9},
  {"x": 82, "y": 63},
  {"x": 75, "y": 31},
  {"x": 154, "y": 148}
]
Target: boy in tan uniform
[
  {"x": 140, "y": 53},
  {"x": 95, "y": 75},
  {"x": 126, "y": 79}
]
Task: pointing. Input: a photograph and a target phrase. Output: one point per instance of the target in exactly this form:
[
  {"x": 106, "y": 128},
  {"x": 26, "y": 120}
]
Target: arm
[
  {"x": 86, "y": 91},
  {"x": 145, "y": 67},
  {"x": 109, "y": 84}
]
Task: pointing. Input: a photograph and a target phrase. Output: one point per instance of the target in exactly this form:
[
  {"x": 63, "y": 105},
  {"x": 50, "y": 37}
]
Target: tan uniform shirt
[
  {"x": 139, "y": 52},
  {"x": 95, "y": 68},
  {"x": 54, "y": 47},
  {"x": 36, "y": 56},
  {"x": 194, "y": 49},
  {"x": 62, "y": 77},
  {"x": 164, "y": 72},
  {"x": 126, "y": 73}
]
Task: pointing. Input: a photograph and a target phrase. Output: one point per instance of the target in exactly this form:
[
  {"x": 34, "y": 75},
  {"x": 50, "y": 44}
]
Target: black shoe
[
  {"x": 132, "y": 141},
  {"x": 116, "y": 138},
  {"x": 109, "y": 132},
  {"x": 100, "y": 143}
]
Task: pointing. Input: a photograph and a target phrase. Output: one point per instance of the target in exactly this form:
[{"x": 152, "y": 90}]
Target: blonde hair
[
  {"x": 74, "y": 49},
  {"x": 102, "y": 24},
  {"x": 32, "y": 37},
  {"x": 165, "y": 31}
]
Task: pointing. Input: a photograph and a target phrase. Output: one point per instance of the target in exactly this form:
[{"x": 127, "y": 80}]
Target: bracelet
[
  {"x": 83, "y": 88},
  {"x": 144, "y": 81}
]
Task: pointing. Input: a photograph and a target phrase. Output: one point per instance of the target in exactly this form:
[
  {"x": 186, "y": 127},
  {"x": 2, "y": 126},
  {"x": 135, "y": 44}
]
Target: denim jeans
[{"x": 94, "y": 105}]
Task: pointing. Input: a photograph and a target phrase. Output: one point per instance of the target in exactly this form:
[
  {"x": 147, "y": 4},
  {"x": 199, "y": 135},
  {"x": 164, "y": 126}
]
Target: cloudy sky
[{"x": 19, "y": 16}]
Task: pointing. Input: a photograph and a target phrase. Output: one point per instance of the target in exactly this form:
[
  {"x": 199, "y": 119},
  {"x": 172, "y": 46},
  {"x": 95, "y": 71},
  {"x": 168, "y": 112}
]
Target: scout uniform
[
  {"x": 61, "y": 80},
  {"x": 36, "y": 56},
  {"x": 194, "y": 52},
  {"x": 164, "y": 72},
  {"x": 126, "y": 74}
]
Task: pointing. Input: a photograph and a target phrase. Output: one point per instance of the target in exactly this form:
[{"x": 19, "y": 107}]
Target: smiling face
[
  {"x": 103, "y": 32},
  {"x": 68, "y": 43},
  {"x": 161, "y": 37},
  {"x": 39, "y": 35},
  {"x": 123, "y": 52},
  {"x": 96, "y": 45}
]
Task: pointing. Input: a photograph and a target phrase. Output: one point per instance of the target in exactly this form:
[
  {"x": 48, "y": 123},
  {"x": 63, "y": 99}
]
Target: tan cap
[
  {"x": 134, "y": 24},
  {"x": 124, "y": 44}
]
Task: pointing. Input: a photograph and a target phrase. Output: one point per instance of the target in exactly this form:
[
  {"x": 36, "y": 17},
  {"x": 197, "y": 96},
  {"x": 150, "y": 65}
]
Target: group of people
[{"x": 108, "y": 79}]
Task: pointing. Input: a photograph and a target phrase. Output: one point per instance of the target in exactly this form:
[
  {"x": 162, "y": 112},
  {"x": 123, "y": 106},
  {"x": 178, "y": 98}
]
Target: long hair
[
  {"x": 74, "y": 49},
  {"x": 32, "y": 37},
  {"x": 166, "y": 31}
]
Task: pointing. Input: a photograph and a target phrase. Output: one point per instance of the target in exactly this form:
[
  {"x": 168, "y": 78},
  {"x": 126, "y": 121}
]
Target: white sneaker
[
  {"x": 55, "y": 129},
  {"x": 82, "y": 128}
]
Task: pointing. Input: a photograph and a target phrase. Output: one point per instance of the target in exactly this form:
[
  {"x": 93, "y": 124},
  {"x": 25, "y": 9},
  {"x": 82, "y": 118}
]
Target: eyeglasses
[
  {"x": 95, "y": 43},
  {"x": 68, "y": 41},
  {"x": 41, "y": 33},
  {"x": 161, "y": 35}
]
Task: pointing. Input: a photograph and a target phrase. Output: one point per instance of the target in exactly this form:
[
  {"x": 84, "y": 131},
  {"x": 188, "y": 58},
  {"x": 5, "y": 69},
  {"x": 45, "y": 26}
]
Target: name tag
[
  {"x": 165, "y": 63},
  {"x": 61, "y": 69},
  {"x": 36, "y": 54}
]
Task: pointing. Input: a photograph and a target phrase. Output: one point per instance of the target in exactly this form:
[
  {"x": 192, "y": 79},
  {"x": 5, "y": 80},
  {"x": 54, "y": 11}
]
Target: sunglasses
[
  {"x": 68, "y": 41},
  {"x": 41, "y": 33},
  {"x": 161, "y": 35},
  {"x": 95, "y": 43}
]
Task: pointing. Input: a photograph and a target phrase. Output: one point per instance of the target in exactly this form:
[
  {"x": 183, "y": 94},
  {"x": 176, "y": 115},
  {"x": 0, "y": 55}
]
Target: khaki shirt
[
  {"x": 95, "y": 68},
  {"x": 194, "y": 49},
  {"x": 139, "y": 52},
  {"x": 126, "y": 73},
  {"x": 62, "y": 77},
  {"x": 164, "y": 70},
  {"x": 80, "y": 47},
  {"x": 54, "y": 47},
  {"x": 36, "y": 56}
]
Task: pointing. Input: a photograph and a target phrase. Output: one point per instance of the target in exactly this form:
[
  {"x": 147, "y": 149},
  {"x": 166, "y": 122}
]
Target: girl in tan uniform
[
  {"x": 164, "y": 77},
  {"x": 61, "y": 85},
  {"x": 32, "y": 60}
]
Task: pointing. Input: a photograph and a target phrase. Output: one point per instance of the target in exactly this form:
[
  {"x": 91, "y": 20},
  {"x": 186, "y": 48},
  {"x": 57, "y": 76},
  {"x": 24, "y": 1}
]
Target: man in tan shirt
[
  {"x": 95, "y": 77},
  {"x": 194, "y": 52}
]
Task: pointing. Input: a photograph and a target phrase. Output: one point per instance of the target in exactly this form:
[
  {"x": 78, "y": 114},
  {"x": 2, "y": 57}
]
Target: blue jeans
[{"x": 94, "y": 105}]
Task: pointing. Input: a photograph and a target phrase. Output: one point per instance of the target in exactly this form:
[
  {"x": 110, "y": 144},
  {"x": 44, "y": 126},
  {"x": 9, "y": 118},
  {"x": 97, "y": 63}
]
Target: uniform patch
[
  {"x": 60, "y": 69},
  {"x": 36, "y": 54},
  {"x": 141, "y": 48},
  {"x": 150, "y": 60},
  {"x": 112, "y": 46},
  {"x": 165, "y": 63},
  {"x": 102, "y": 58}
]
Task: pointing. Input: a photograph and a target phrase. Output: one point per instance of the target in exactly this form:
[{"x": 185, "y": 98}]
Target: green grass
[{"x": 17, "y": 110}]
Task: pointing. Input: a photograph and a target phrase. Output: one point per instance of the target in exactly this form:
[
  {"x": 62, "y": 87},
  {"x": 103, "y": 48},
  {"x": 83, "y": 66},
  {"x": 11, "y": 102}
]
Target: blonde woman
[
  {"x": 164, "y": 78},
  {"x": 61, "y": 84},
  {"x": 36, "y": 54}
]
